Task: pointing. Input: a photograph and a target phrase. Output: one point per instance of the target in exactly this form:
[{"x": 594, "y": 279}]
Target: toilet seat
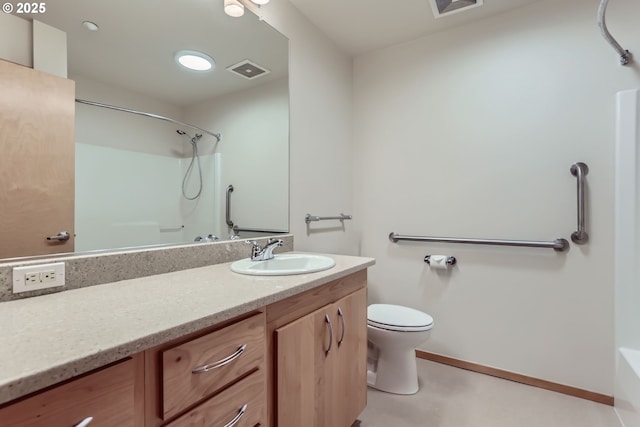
[{"x": 398, "y": 318}]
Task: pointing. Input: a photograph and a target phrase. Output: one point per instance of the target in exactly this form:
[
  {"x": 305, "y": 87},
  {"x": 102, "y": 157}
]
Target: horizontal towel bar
[
  {"x": 559, "y": 245},
  {"x": 308, "y": 217}
]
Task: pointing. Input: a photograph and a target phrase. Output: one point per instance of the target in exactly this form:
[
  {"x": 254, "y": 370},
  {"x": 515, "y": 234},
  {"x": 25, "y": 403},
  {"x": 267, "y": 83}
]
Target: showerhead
[{"x": 193, "y": 140}]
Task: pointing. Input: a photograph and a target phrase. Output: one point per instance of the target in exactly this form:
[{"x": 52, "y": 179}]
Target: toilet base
[{"x": 396, "y": 373}]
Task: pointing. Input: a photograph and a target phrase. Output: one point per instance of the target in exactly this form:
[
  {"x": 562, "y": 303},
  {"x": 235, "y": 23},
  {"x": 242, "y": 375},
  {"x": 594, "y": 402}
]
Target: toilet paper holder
[{"x": 450, "y": 260}]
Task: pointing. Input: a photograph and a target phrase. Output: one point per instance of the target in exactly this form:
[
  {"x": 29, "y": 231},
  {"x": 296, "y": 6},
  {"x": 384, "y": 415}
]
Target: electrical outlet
[
  {"x": 31, "y": 278},
  {"x": 35, "y": 277},
  {"x": 48, "y": 276}
]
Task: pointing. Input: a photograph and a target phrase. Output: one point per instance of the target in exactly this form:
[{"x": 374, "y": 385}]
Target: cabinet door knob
[
  {"x": 205, "y": 368},
  {"x": 343, "y": 326},
  {"x": 235, "y": 419},
  {"x": 328, "y": 322},
  {"x": 85, "y": 422}
]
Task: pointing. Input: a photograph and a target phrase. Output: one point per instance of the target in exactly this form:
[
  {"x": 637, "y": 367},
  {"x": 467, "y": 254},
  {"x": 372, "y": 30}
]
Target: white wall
[
  {"x": 254, "y": 149},
  {"x": 49, "y": 49},
  {"x": 16, "y": 40},
  {"x": 110, "y": 128},
  {"x": 33, "y": 44},
  {"x": 471, "y": 133},
  {"x": 321, "y": 148}
]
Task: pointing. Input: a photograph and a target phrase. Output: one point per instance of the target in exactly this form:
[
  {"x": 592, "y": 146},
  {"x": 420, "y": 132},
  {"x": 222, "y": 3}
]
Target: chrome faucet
[{"x": 259, "y": 253}]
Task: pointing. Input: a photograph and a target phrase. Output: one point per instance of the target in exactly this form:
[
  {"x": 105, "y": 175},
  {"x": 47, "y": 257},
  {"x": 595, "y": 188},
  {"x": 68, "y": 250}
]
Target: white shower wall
[
  {"x": 627, "y": 254},
  {"x": 126, "y": 198},
  {"x": 471, "y": 133}
]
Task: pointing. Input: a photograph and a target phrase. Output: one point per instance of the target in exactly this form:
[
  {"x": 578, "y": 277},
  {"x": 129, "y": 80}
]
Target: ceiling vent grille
[
  {"x": 447, "y": 7},
  {"x": 247, "y": 69}
]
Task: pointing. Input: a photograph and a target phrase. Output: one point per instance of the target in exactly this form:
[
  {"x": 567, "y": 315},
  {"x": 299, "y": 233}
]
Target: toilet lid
[{"x": 398, "y": 318}]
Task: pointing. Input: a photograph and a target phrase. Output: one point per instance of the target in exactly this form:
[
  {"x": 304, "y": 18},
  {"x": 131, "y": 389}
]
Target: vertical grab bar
[
  {"x": 228, "y": 207},
  {"x": 580, "y": 170}
]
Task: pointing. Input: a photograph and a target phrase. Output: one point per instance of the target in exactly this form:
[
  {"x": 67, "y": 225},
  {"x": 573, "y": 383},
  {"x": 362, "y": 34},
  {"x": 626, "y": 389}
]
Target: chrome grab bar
[
  {"x": 237, "y": 229},
  {"x": 240, "y": 414},
  {"x": 220, "y": 363},
  {"x": 560, "y": 245},
  {"x": 228, "y": 207},
  {"x": 580, "y": 170},
  {"x": 450, "y": 260},
  {"x": 308, "y": 217}
]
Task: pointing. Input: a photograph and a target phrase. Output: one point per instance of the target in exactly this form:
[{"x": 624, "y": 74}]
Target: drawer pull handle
[
  {"x": 235, "y": 420},
  {"x": 341, "y": 340},
  {"x": 85, "y": 422},
  {"x": 220, "y": 363},
  {"x": 328, "y": 322}
]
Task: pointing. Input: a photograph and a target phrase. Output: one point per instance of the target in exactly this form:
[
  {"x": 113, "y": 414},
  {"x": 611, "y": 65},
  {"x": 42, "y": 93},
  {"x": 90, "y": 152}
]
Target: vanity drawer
[
  {"x": 227, "y": 407},
  {"x": 106, "y": 395},
  {"x": 198, "y": 368}
]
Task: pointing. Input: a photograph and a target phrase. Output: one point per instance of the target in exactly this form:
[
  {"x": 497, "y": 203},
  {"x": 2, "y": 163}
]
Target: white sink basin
[{"x": 283, "y": 265}]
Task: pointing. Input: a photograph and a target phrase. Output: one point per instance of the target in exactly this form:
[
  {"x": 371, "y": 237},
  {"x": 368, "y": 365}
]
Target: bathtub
[{"x": 627, "y": 393}]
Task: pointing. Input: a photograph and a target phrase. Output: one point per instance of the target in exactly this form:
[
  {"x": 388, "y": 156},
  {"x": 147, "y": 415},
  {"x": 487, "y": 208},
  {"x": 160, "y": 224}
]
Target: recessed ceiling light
[
  {"x": 91, "y": 26},
  {"x": 260, "y": 2},
  {"x": 194, "y": 60}
]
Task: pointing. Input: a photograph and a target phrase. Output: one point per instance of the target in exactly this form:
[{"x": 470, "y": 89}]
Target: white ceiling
[
  {"x": 138, "y": 39},
  {"x": 358, "y": 26},
  {"x": 135, "y": 46}
]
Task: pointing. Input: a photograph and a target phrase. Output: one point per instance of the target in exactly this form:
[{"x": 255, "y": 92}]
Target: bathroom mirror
[{"x": 141, "y": 181}]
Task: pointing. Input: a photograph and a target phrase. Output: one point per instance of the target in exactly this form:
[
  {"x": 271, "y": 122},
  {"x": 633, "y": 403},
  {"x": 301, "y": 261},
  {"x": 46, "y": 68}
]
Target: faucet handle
[
  {"x": 277, "y": 242},
  {"x": 256, "y": 249},
  {"x": 253, "y": 243}
]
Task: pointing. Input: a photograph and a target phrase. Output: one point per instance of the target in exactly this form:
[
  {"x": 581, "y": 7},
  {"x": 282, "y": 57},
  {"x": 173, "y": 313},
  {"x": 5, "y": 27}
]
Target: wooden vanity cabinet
[
  {"x": 209, "y": 378},
  {"x": 106, "y": 395},
  {"x": 319, "y": 358}
]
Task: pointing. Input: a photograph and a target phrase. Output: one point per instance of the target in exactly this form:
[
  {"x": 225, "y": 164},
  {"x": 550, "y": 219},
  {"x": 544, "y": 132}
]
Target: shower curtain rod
[{"x": 142, "y": 113}]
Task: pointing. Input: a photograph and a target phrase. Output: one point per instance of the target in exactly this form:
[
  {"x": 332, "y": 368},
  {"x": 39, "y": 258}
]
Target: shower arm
[
  {"x": 143, "y": 113},
  {"x": 625, "y": 55}
]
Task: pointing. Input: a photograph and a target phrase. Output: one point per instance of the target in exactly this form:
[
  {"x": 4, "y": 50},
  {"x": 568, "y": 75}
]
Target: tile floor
[{"x": 452, "y": 397}]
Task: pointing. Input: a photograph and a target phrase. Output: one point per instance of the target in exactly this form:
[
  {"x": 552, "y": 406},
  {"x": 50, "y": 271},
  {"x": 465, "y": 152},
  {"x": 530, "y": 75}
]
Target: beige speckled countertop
[{"x": 51, "y": 338}]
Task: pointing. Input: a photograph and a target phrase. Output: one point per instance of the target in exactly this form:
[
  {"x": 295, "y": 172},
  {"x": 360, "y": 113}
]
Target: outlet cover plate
[{"x": 40, "y": 271}]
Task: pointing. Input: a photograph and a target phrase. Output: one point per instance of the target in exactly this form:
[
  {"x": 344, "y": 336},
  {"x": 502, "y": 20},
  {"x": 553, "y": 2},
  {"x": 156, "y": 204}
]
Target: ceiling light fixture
[
  {"x": 194, "y": 60},
  {"x": 233, "y": 8},
  {"x": 91, "y": 26}
]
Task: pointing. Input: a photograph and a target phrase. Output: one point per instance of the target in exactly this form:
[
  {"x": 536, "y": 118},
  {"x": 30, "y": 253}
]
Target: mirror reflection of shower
[{"x": 195, "y": 158}]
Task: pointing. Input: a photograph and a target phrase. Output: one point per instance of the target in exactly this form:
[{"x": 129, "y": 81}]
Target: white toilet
[{"x": 394, "y": 332}]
